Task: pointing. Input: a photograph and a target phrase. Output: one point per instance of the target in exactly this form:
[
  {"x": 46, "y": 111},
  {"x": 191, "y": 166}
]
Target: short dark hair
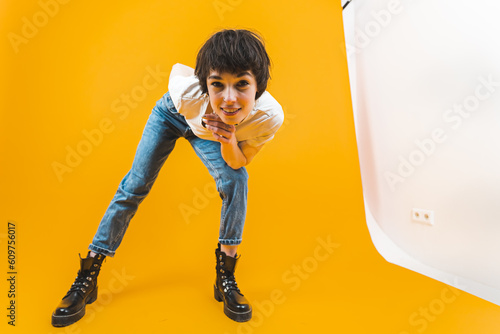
[{"x": 234, "y": 51}]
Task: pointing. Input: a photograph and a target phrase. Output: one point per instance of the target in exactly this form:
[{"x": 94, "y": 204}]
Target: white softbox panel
[{"x": 425, "y": 84}]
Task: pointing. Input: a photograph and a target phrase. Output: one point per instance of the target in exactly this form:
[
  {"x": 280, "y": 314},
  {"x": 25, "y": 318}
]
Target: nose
[{"x": 229, "y": 95}]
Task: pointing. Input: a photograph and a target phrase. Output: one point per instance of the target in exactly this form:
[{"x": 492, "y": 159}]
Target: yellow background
[{"x": 304, "y": 186}]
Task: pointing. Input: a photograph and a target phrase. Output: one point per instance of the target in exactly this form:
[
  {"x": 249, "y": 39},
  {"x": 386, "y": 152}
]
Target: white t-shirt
[{"x": 257, "y": 128}]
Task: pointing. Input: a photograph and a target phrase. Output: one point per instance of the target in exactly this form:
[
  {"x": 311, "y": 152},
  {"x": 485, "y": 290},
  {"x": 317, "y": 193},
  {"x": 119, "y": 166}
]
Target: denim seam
[
  {"x": 124, "y": 226},
  {"x": 100, "y": 250},
  {"x": 219, "y": 186},
  {"x": 230, "y": 242}
]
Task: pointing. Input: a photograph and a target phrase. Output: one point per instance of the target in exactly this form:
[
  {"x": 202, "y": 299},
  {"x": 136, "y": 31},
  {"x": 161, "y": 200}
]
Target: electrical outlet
[{"x": 422, "y": 216}]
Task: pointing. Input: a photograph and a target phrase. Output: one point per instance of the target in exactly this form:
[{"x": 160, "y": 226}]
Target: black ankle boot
[
  {"x": 236, "y": 306},
  {"x": 82, "y": 292}
]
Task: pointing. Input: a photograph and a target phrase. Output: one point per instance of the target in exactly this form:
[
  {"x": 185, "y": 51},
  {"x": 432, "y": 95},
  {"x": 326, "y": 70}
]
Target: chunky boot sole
[
  {"x": 236, "y": 316},
  {"x": 66, "y": 320}
]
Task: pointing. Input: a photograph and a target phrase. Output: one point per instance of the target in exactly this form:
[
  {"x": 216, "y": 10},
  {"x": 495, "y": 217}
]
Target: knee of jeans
[
  {"x": 135, "y": 185},
  {"x": 233, "y": 180}
]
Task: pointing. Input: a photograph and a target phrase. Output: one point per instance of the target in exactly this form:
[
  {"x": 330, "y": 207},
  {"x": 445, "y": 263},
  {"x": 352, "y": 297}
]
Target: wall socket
[{"x": 422, "y": 216}]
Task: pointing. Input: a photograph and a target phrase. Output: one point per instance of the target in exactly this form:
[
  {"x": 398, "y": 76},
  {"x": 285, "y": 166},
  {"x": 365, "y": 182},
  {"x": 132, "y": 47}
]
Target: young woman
[{"x": 223, "y": 109}]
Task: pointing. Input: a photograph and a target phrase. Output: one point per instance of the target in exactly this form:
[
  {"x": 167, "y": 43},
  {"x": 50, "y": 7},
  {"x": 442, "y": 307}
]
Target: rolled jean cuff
[
  {"x": 102, "y": 251},
  {"x": 230, "y": 242}
]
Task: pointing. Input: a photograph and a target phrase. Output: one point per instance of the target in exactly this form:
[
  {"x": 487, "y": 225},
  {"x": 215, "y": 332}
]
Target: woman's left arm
[{"x": 235, "y": 154}]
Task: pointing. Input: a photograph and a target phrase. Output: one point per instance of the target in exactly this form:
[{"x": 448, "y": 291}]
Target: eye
[
  {"x": 216, "y": 84},
  {"x": 243, "y": 83}
]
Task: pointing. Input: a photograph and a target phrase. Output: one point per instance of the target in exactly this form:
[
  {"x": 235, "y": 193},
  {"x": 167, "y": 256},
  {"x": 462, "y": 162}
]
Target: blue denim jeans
[{"x": 165, "y": 125}]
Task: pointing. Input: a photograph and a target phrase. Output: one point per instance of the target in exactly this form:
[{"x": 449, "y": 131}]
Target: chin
[{"x": 230, "y": 121}]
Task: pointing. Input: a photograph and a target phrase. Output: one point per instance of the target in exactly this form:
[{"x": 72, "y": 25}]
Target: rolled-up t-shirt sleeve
[{"x": 265, "y": 129}]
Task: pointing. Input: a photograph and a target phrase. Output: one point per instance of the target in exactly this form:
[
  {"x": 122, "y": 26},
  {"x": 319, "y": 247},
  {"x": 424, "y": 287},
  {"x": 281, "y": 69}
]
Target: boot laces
[
  {"x": 80, "y": 284},
  {"x": 229, "y": 283}
]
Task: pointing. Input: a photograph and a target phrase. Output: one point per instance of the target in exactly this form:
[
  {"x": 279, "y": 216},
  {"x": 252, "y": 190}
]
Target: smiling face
[{"x": 232, "y": 96}]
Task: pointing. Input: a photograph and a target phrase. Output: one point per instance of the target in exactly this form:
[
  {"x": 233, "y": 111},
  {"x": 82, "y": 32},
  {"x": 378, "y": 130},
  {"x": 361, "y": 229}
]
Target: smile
[{"x": 230, "y": 111}]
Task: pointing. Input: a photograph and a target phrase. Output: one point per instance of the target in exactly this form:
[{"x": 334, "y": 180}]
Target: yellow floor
[{"x": 307, "y": 265}]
